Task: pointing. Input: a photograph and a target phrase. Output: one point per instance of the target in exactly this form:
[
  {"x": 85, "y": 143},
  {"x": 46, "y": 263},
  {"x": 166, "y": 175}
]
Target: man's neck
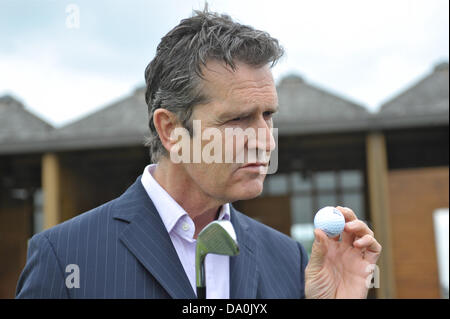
[{"x": 200, "y": 207}]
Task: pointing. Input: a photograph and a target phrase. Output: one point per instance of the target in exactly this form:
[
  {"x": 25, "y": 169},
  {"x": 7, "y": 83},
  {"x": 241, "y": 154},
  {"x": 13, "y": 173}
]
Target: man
[{"x": 217, "y": 72}]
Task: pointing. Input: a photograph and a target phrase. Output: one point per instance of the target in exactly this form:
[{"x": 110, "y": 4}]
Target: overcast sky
[{"x": 365, "y": 51}]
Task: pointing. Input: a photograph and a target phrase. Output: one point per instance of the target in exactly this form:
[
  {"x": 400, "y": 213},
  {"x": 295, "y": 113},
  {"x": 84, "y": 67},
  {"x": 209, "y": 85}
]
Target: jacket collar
[
  {"x": 243, "y": 267},
  {"x": 148, "y": 240}
]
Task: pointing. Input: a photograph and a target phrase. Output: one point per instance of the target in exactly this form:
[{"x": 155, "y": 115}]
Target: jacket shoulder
[{"x": 88, "y": 221}]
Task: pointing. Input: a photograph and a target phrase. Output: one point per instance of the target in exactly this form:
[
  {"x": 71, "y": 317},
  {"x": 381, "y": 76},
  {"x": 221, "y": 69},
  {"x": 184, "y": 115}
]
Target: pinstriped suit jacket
[{"x": 123, "y": 250}]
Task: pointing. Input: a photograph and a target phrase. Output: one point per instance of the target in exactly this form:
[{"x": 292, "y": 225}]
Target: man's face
[{"x": 243, "y": 99}]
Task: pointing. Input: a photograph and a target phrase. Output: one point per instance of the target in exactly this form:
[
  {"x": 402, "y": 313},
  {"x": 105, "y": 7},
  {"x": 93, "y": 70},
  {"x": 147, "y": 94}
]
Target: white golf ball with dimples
[{"x": 330, "y": 220}]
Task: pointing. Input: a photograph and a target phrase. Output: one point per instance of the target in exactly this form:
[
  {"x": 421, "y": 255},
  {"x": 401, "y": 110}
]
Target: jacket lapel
[
  {"x": 147, "y": 239},
  {"x": 243, "y": 267}
]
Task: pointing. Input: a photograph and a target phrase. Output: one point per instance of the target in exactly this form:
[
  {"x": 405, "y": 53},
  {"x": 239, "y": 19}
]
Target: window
[
  {"x": 351, "y": 179},
  {"x": 325, "y": 200},
  {"x": 440, "y": 217},
  {"x": 352, "y": 195},
  {"x": 325, "y": 180},
  {"x": 302, "y": 206},
  {"x": 300, "y": 183},
  {"x": 38, "y": 214},
  {"x": 313, "y": 190},
  {"x": 355, "y": 202},
  {"x": 277, "y": 185}
]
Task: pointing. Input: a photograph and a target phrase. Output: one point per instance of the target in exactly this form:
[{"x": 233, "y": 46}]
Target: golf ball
[{"x": 330, "y": 220}]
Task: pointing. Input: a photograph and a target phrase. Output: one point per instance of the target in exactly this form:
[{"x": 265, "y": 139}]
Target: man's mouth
[{"x": 257, "y": 167}]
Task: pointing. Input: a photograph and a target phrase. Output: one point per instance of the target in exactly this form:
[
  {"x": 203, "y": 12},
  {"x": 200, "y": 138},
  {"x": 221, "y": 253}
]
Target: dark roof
[
  {"x": 122, "y": 123},
  {"x": 19, "y": 126},
  {"x": 425, "y": 103},
  {"x": 305, "y": 108}
]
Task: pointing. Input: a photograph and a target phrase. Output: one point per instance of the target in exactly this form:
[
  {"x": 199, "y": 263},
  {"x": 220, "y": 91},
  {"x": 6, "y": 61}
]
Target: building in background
[
  {"x": 415, "y": 133},
  {"x": 390, "y": 167},
  {"x": 20, "y": 179}
]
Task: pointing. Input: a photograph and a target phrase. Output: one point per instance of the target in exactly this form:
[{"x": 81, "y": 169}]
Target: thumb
[{"x": 319, "y": 248}]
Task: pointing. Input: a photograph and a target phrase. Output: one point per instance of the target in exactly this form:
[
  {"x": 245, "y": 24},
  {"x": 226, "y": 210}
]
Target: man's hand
[{"x": 339, "y": 269}]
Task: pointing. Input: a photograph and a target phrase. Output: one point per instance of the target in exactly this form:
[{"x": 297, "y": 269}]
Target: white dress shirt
[{"x": 181, "y": 229}]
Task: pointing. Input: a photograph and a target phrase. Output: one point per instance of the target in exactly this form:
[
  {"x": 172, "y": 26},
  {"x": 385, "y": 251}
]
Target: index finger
[{"x": 349, "y": 215}]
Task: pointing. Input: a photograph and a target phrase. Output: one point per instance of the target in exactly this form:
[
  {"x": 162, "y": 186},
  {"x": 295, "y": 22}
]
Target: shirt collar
[{"x": 169, "y": 210}]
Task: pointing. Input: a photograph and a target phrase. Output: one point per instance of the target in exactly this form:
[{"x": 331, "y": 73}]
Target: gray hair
[{"x": 173, "y": 76}]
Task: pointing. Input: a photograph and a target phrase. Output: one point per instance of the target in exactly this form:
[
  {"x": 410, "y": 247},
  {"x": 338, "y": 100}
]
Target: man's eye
[
  {"x": 236, "y": 119},
  {"x": 268, "y": 114}
]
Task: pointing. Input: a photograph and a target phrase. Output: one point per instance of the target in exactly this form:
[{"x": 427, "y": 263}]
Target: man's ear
[{"x": 165, "y": 122}]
